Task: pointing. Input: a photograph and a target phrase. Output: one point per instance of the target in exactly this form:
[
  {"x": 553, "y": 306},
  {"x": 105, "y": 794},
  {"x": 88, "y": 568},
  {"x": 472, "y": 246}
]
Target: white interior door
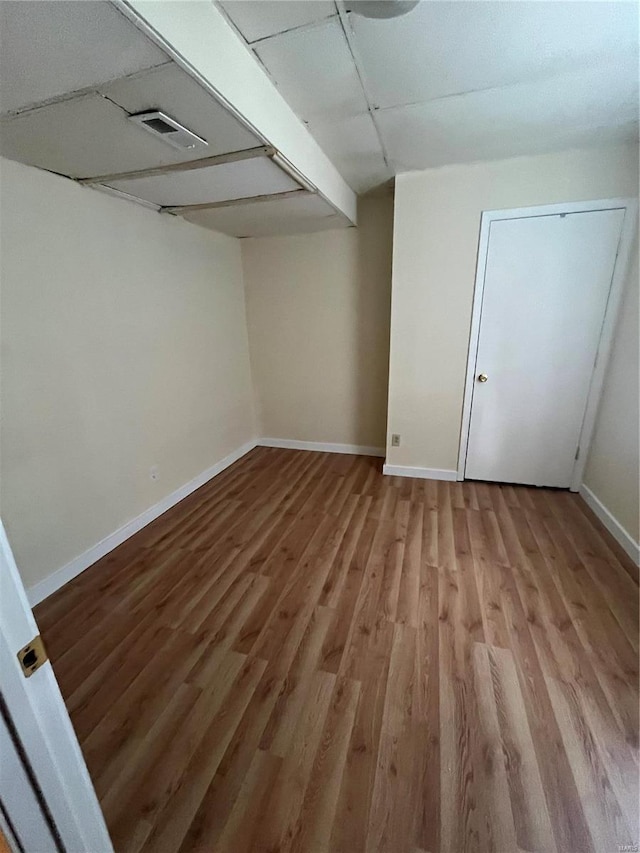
[
  {"x": 30, "y": 828},
  {"x": 546, "y": 287},
  {"x": 40, "y": 725}
]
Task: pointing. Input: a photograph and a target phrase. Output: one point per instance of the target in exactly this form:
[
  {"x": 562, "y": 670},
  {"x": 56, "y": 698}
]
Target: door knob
[{"x": 482, "y": 377}]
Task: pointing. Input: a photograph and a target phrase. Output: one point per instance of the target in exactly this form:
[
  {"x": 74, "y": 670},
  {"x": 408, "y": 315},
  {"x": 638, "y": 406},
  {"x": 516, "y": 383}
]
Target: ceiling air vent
[{"x": 168, "y": 129}]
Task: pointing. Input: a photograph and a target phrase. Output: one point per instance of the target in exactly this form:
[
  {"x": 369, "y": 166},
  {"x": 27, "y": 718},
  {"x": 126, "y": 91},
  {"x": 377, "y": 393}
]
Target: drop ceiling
[
  {"x": 222, "y": 182},
  {"x": 449, "y": 82},
  {"x": 36, "y": 64},
  {"x": 72, "y": 73},
  {"x": 265, "y": 219}
]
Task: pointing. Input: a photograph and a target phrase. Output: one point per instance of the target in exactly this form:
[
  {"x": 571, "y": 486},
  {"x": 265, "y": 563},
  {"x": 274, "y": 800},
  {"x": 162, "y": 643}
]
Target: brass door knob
[{"x": 482, "y": 377}]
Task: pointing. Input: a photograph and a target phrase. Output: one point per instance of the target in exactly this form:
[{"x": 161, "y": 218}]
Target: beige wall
[
  {"x": 124, "y": 346},
  {"x": 613, "y": 467},
  {"x": 436, "y": 229},
  {"x": 318, "y": 316}
]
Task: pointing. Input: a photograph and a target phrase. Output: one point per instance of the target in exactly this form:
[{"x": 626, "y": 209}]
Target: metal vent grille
[
  {"x": 159, "y": 125},
  {"x": 168, "y": 129}
]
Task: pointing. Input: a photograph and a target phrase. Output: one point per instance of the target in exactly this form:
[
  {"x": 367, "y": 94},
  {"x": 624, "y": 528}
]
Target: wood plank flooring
[{"x": 307, "y": 656}]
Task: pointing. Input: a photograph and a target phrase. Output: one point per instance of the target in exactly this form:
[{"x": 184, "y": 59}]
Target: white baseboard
[
  {"x": 292, "y": 444},
  {"x": 630, "y": 546},
  {"x": 420, "y": 473},
  {"x": 59, "y": 578}
]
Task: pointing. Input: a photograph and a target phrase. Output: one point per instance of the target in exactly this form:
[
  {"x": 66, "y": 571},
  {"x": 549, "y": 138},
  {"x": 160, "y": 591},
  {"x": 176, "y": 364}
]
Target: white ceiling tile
[
  {"x": 445, "y": 48},
  {"x": 50, "y": 48},
  {"x": 296, "y": 215},
  {"x": 353, "y": 146},
  {"x": 241, "y": 179},
  {"x": 174, "y": 92},
  {"x": 530, "y": 118},
  {"x": 315, "y": 72},
  {"x": 83, "y": 137},
  {"x": 257, "y": 19}
]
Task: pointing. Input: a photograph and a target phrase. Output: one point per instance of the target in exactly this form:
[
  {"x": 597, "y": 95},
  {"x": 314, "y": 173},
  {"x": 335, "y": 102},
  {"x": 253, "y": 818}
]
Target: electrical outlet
[
  {"x": 395, "y": 440},
  {"x": 154, "y": 473}
]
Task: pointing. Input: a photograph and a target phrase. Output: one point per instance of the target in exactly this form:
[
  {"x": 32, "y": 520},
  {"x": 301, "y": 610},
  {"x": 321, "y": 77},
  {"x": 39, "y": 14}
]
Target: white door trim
[{"x": 630, "y": 205}]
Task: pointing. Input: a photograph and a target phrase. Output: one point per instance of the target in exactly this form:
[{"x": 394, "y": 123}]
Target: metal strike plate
[{"x": 32, "y": 656}]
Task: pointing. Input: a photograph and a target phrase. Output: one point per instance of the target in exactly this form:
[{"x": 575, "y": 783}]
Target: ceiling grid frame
[
  {"x": 135, "y": 182},
  {"x": 341, "y": 14},
  {"x": 503, "y": 51},
  {"x": 345, "y": 23},
  {"x": 211, "y": 183},
  {"x": 449, "y": 82},
  {"x": 129, "y": 10},
  {"x": 184, "y": 166},
  {"x": 234, "y": 202}
]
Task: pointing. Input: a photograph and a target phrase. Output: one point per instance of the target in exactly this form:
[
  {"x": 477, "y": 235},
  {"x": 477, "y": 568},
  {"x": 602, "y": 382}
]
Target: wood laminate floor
[{"x": 307, "y": 656}]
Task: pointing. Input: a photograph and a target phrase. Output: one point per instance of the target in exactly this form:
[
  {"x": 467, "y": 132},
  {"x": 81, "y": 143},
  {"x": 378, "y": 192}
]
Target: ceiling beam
[{"x": 190, "y": 165}]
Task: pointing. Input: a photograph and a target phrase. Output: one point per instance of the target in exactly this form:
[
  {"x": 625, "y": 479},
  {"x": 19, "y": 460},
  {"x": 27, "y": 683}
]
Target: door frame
[
  {"x": 43, "y": 728},
  {"x": 621, "y": 267}
]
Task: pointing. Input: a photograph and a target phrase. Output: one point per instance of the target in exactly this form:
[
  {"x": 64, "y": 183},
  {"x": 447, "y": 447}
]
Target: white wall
[
  {"x": 613, "y": 467},
  {"x": 124, "y": 341},
  {"x": 318, "y": 315},
  {"x": 124, "y": 346},
  {"x": 436, "y": 228}
]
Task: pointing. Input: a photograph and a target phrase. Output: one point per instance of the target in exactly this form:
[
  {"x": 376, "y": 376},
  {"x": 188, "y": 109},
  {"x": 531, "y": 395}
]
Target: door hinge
[
  {"x": 577, "y": 453},
  {"x": 32, "y": 656}
]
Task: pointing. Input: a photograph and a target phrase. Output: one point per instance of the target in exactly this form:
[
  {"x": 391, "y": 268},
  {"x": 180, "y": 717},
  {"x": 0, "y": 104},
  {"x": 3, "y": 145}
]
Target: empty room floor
[{"x": 306, "y": 655}]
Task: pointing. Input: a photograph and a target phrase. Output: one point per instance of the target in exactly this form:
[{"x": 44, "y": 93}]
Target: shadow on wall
[
  {"x": 318, "y": 311},
  {"x": 373, "y": 313}
]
